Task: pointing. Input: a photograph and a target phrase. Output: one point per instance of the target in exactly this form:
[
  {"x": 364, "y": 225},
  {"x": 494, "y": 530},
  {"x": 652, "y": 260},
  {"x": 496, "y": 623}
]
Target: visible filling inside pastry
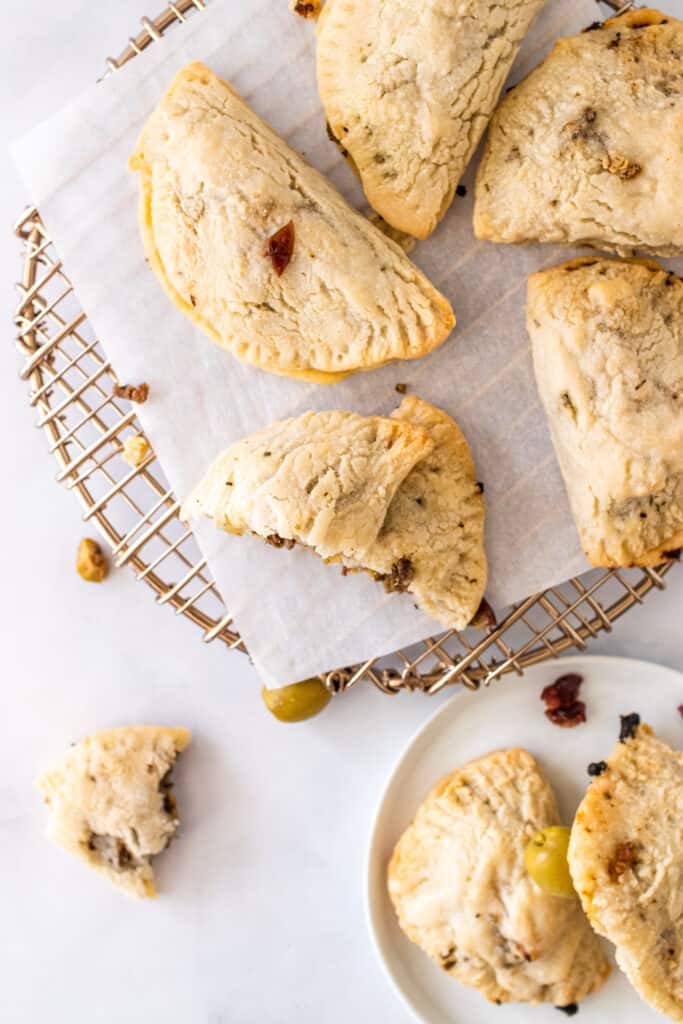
[
  {"x": 113, "y": 852},
  {"x": 124, "y": 852},
  {"x": 399, "y": 579}
]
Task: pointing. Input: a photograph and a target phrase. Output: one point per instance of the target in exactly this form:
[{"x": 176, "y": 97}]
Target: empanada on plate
[
  {"x": 462, "y": 893},
  {"x": 607, "y": 342},
  {"x": 396, "y": 497},
  {"x": 111, "y": 801},
  {"x": 626, "y": 860},
  {"x": 587, "y": 149},
  {"x": 260, "y": 251},
  {"x": 408, "y": 91}
]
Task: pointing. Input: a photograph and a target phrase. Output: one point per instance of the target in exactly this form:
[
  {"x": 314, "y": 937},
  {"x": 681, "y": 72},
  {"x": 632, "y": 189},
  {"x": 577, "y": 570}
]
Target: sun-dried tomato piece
[
  {"x": 280, "y": 247},
  {"x": 567, "y": 717},
  {"x": 563, "y": 692}
]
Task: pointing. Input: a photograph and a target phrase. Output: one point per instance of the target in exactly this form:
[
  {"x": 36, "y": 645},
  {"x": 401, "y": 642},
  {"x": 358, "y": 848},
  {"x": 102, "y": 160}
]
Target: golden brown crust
[
  {"x": 395, "y": 497},
  {"x": 408, "y": 97},
  {"x": 626, "y": 863},
  {"x": 597, "y": 164},
  {"x": 607, "y": 342},
  {"x": 111, "y": 803},
  {"x": 462, "y": 893},
  {"x": 216, "y": 184}
]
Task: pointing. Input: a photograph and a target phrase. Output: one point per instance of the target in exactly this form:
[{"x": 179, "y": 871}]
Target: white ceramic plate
[{"x": 510, "y": 713}]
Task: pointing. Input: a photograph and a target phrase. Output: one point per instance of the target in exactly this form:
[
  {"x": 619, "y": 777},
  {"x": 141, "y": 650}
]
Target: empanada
[
  {"x": 396, "y": 497},
  {"x": 626, "y": 860},
  {"x": 607, "y": 340},
  {"x": 261, "y": 252},
  {"x": 407, "y": 93},
  {"x": 461, "y": 891},
  {"x": 587, "y": 150},
  {"x": 111, "y": 802},
  {"x": 436, "y": 522}
]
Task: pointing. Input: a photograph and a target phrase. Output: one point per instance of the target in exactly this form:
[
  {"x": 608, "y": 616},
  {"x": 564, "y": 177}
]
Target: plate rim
[{"x": 413, "y": 739}]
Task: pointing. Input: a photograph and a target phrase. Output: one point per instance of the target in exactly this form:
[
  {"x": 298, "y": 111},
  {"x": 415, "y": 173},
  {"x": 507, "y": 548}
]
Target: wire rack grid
[{"x": 71, "y": 388}]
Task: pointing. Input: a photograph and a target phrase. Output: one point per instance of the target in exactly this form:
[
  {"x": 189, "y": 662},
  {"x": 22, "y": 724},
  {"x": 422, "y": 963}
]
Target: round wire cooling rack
[{"x": 135, "y": 510}]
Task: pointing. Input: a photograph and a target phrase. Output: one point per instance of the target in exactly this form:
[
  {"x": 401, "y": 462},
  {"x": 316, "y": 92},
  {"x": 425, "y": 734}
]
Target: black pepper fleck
[
  {"x": 597, "y": 767},
  {"x": 461, "y": 190}
]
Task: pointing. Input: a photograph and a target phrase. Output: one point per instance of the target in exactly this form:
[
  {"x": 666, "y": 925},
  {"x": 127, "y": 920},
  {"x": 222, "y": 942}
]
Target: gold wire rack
[{"x": 71, "y": 383}]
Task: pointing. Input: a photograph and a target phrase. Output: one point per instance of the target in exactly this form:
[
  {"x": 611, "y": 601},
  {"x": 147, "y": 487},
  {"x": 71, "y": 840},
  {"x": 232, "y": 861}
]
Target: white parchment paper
[{"x": 298, "y": 616}]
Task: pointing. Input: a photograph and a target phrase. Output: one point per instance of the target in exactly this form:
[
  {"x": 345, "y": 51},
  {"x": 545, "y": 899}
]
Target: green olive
[
  {"x": 545, "y": 858},
  {"x": 297, "y": 702}
]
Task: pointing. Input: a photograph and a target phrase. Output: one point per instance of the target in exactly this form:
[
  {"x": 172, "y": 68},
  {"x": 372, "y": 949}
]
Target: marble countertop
[{"x": 261, "y": 918}]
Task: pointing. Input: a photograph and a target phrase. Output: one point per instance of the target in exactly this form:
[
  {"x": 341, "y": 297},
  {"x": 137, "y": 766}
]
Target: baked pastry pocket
[{"x": 257, "y": 249}]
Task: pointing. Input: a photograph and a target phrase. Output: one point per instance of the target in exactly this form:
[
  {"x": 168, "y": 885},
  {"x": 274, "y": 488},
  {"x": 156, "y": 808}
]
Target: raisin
[
  {"x": 563, "y": 692},
  {"x": 629, "y": 725},
  {"x": 597, "y": 767},
  {"x": 401, "y": 388},
  {"x": 461, "y": 190},
  {"x": 571, "y": 1009},
  {"x": 567, "y": 717},
  {"x": 280, "y": 247},
  {"x": 561, "y": 703}
]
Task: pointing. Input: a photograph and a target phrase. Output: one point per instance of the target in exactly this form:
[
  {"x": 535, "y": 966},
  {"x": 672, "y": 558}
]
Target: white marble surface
[{"x": 261, "y": 918}]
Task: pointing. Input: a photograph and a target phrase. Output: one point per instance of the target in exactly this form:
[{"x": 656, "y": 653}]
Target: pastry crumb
[
  {"x": 305, "y": 8},
  {"x": 91, "y": 565},
  {"x": 133, "y": 392},
  {"x": 135, "y": 449}
]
